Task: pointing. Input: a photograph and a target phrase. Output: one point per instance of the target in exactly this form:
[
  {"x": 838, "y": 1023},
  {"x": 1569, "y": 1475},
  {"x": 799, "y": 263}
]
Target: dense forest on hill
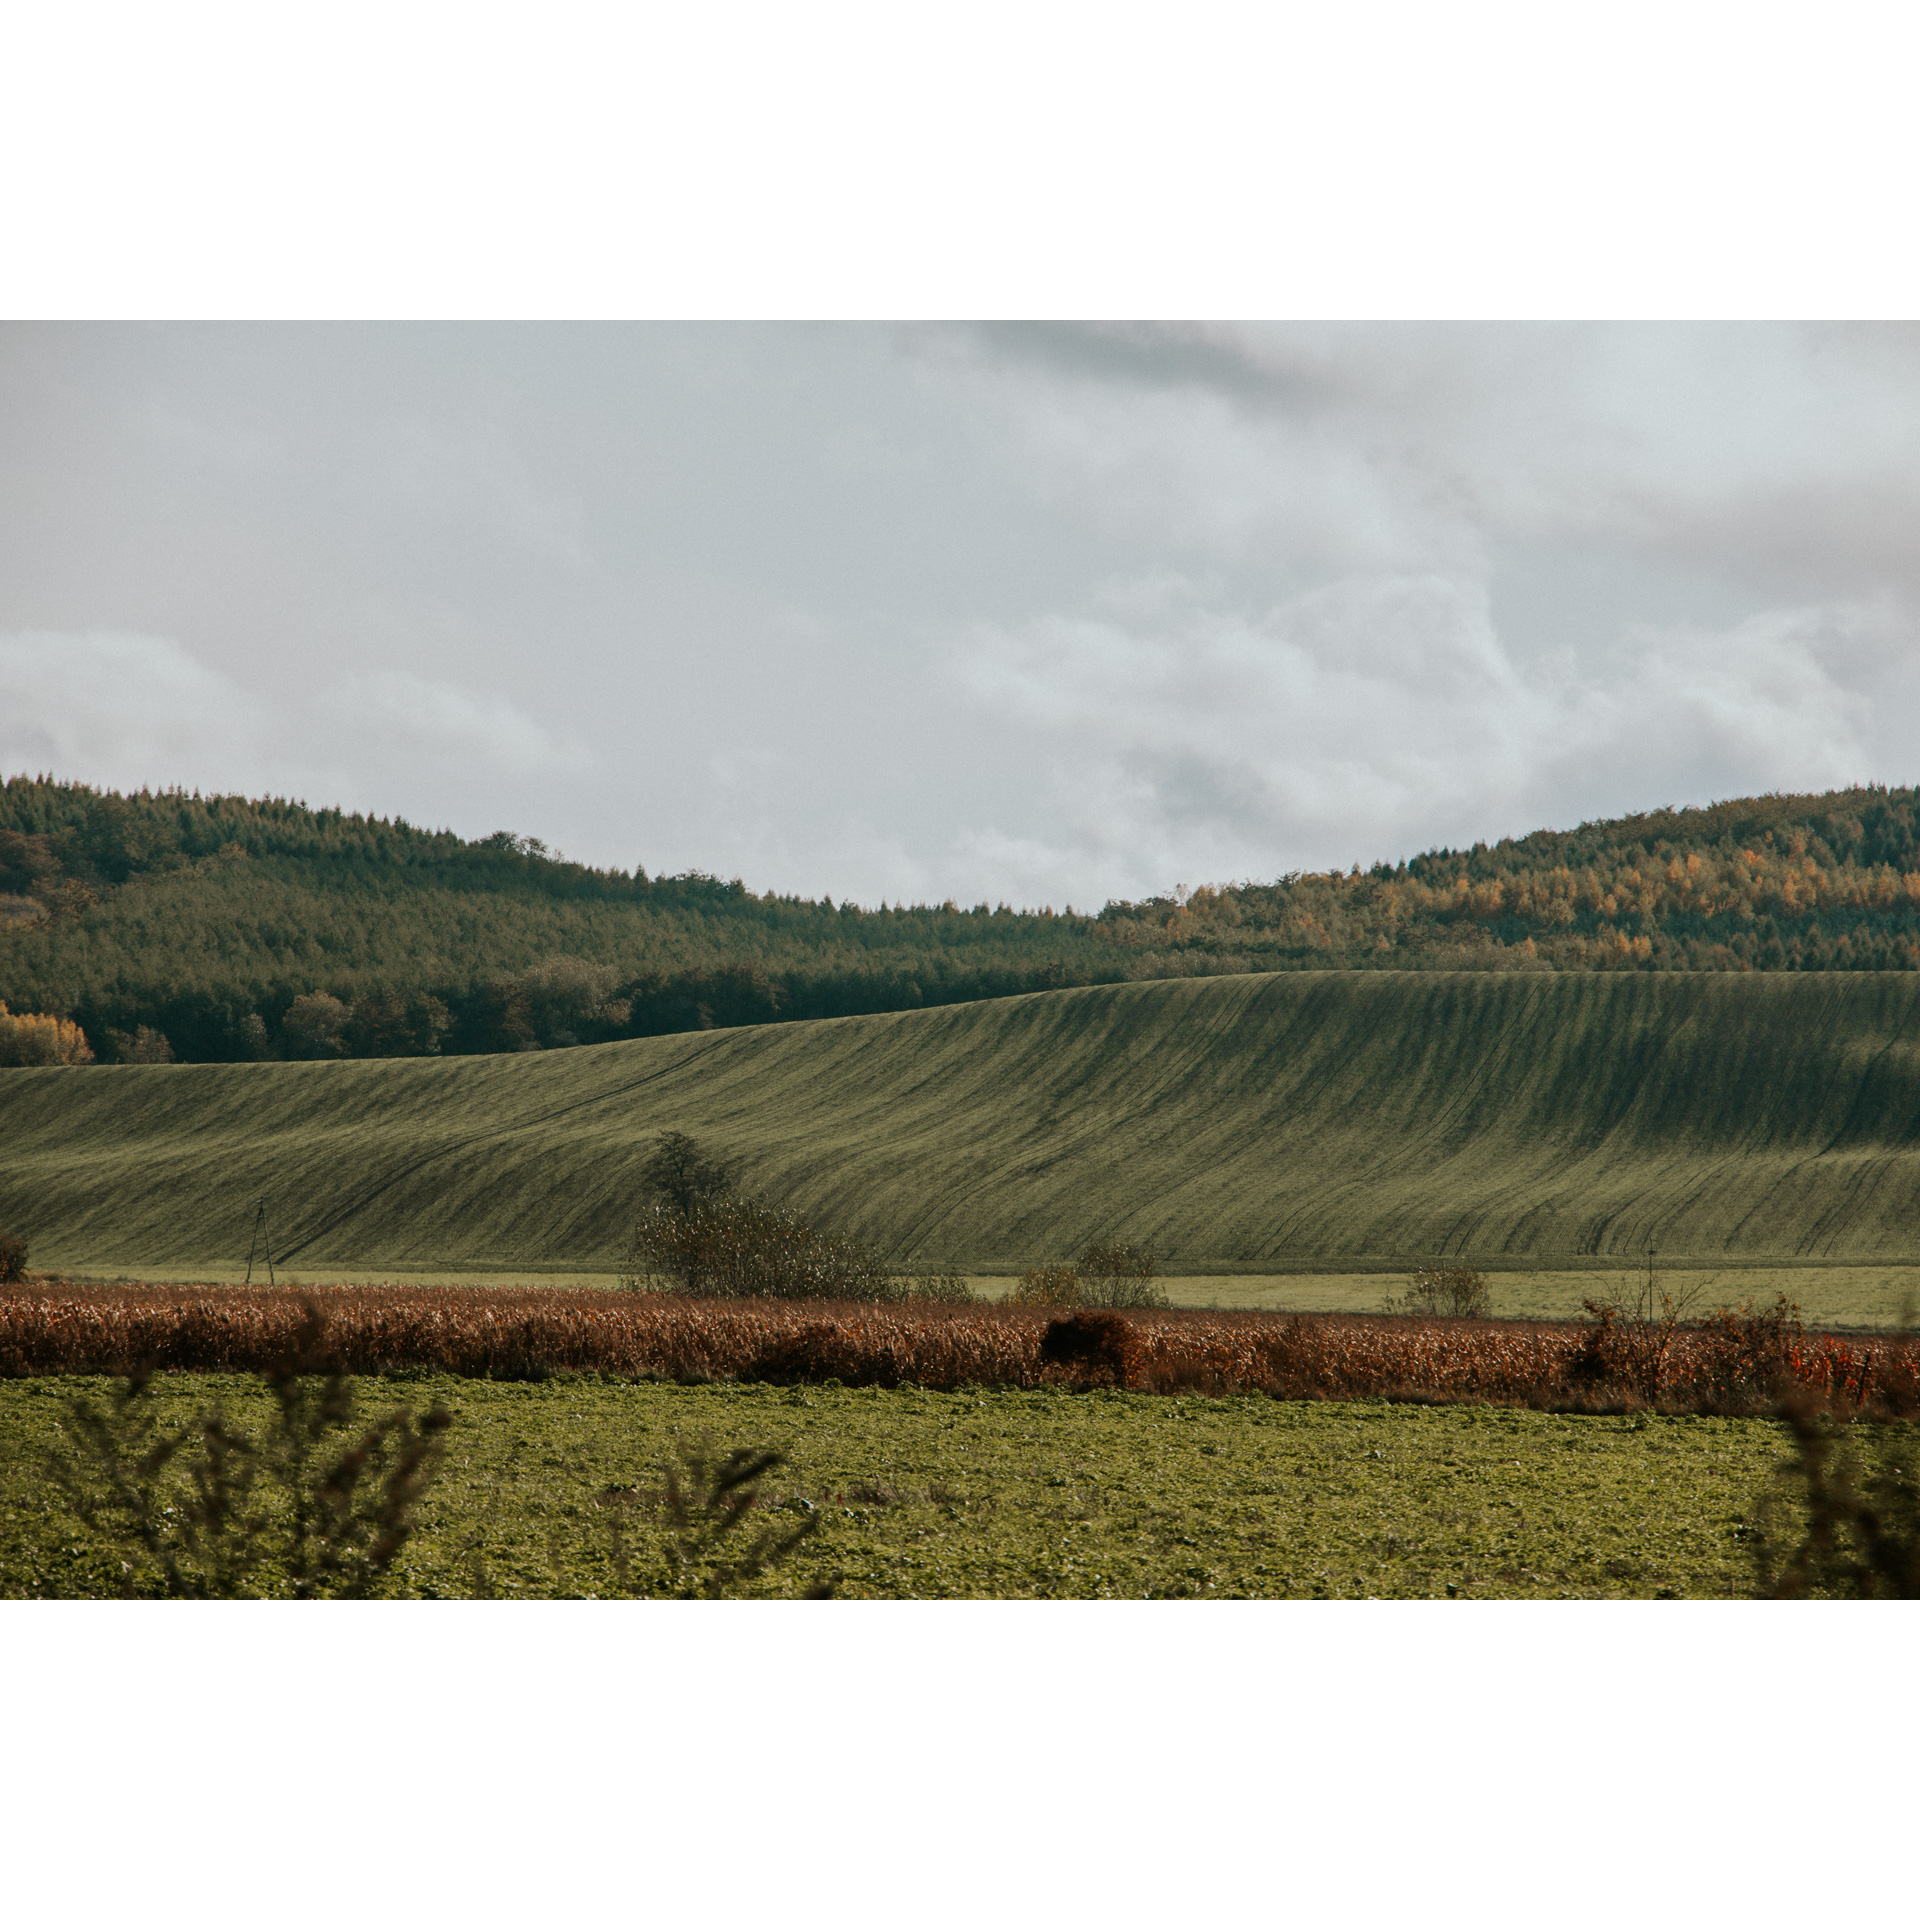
[{"x": 171, "y": 925}]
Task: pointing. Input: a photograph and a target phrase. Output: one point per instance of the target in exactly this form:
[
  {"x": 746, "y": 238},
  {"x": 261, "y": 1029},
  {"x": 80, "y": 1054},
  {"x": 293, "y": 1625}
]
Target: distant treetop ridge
[{"x": 172, "y": 925}]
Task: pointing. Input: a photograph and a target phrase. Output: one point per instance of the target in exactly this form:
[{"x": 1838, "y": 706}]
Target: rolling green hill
[{"x": 1257, "y": 1121}]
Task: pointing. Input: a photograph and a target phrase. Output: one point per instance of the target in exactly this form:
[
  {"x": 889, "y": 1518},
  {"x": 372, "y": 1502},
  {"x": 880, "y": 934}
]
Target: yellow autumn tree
[{"x": 41, "y": 1040}]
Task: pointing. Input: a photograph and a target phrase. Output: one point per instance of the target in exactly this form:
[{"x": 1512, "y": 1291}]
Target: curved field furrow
[{"x": 1240, "y": 1119}]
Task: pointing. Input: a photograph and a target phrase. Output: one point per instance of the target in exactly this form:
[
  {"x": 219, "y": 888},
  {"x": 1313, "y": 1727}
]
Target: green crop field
[
  {"x": 1269, "y": 1134},
  {"x": 1035, "y": 1494}
]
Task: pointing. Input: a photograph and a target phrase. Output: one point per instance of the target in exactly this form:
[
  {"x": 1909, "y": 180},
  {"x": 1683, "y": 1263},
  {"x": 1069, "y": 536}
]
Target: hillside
[
  {"x": 175, "y": 926},
  {"x": 204, "y": 919},
  {"x": 1234, "y": 1121}
]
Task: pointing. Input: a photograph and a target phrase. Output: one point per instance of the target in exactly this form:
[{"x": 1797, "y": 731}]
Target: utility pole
[
  {"x": 261, "y": 1238},
  {"x": 1649, "y": 1284}
]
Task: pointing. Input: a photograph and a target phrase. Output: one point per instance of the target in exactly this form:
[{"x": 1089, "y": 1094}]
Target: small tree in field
[
  {"x": 1116, "y": 1273},
  {"x": 1449, "y": 1291},
  {"x": 735, "y": 1249},
  {"x": 1047, "y": 1287},
  {"x": 681, "y": 1175},
  {"x": 13, "y": 1259}
]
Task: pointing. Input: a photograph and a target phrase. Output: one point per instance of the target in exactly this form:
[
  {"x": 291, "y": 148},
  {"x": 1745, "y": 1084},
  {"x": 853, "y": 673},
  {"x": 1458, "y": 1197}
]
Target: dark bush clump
[{"x": 1101, "y": 1344}]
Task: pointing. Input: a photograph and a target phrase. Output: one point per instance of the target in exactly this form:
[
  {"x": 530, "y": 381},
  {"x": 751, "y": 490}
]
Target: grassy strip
[
  {"x": 1029, "y": 1493},
  {"x": 1853, "y": 1299}
]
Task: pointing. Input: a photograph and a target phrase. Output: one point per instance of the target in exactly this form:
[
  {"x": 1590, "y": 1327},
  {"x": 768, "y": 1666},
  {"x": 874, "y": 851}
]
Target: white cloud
[
  {"x": 124, "y": 709},
  {"x": 129, "y": 710},
  {"x": 474, "y": 473},
  {"x": 1393, "y": 448},
  {"x": 1375, "y": 717},
  {"x": 371, "y": 713}
]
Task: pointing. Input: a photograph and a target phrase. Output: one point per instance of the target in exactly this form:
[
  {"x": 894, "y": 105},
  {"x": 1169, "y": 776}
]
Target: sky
[{"x": 1043, "y": 613}]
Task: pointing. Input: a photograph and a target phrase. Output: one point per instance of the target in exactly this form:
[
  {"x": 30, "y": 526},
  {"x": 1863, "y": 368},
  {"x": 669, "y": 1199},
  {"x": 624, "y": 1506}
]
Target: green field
[
  {"x": 1283, "y": 1126},
  {"x": 1013, "y": 1494}
]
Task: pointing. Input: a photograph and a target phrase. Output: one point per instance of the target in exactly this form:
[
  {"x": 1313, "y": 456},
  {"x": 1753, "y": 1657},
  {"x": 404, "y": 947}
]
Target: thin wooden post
[{"x": 261, "y": 1237}]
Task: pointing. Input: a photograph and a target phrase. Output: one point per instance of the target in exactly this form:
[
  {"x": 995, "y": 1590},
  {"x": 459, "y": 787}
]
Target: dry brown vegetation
[{"x": 1732, "y": 1363}]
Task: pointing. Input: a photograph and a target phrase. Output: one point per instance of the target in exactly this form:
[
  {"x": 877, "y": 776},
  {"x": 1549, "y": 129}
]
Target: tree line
[{"x": 179, "y": 926}]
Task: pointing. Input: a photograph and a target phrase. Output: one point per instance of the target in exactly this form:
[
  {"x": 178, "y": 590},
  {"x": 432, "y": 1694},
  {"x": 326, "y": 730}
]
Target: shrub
[
  {"x": 1449, "y": 1292},
  {"x": 1623, "y": 1350},
  {"x": 699, "y": 1516},
  {"x": 215, "y": 1512},
  {"x": 1047, "y": 1287},
  {"x": 1116, "y": 1258},
  {"x": 1102, "y": 1344},
  {"x": 943, "y": 1289},
  {"x": 738, "y": 1249},
  {"x": 1115, "y": 1273},
  {"x": 701, "y": 1237},
  {"x": 13, "y": 1259},
  {"x": 1861, "y": 1539},
  {"x": 1746, "y": 1354},
  {"x": 1633, "y": 1344}
]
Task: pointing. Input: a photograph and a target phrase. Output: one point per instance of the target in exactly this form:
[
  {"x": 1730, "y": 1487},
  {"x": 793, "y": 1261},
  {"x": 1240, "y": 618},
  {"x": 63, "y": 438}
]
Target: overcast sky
[{"x": 1033, "y": 613}]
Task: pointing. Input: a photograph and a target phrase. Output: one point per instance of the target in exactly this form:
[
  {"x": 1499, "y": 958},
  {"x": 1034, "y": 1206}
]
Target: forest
[{"x": 175, "y": 926}]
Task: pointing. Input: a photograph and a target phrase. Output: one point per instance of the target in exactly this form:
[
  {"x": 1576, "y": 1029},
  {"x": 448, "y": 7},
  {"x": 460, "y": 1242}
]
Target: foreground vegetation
[
  {"x": 1278, "y": 1118},
  {"x": 1018, "y": 1493},
  {"x": 172, "y": 926},
  {"x": 288, "y": 1455}
]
